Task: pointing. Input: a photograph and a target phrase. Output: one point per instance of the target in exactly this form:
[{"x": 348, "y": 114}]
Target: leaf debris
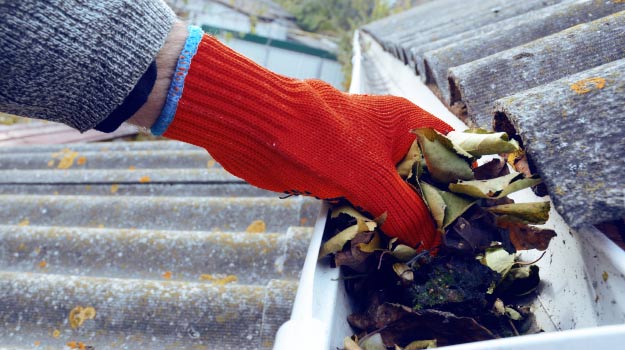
[{"x": 409, "y": 299}]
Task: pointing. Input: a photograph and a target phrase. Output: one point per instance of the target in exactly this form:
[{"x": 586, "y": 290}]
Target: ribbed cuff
[{"x": 177, "y": 82}]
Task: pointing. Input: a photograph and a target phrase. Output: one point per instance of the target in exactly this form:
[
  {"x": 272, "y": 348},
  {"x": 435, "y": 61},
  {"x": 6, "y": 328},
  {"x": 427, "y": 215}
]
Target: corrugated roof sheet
[
  {"x": 155, "y": 237},
  {"x": 481, "y": 55}
]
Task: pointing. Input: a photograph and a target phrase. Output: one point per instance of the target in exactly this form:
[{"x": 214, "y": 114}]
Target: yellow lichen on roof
[
  {"x": 78, "y": 315},
  {"x": 257, "y": 226},
  {"x": 220, "y": 281},
  {"x": 65, "y": 157},
  {"x": 587, "y": 85},
  {"x": 114, "y": 188}
]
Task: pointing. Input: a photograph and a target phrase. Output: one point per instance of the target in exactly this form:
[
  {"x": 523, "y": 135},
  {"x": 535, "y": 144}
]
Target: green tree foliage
[{"x": 337, "y": 18}]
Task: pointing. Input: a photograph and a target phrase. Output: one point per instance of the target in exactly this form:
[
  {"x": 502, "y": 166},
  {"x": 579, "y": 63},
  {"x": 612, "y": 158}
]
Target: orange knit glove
[{"x": 305, "y": 137}]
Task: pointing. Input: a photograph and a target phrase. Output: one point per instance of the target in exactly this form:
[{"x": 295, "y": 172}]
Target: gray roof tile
[
  {"x": 477, "y": 84},
  {"x": 529, "y": 66},
  {"x": 573, "y": 130},
  {"x": 434, "y": 60}
]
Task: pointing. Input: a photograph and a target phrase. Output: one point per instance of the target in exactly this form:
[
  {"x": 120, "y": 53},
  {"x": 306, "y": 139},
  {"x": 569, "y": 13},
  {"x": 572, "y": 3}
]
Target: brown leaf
[
  {"x": 474, "y": 231},
  {"x": 352, "y": 255},
  {"x": 404, "y": 325},
  {"x": 489, "y": 170},
  {"x": 525, "y": 237}
]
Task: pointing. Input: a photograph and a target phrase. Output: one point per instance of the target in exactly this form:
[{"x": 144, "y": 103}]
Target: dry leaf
[
  {"x": 337, "y": 242},
  {"x": 403, "y": 252},
  {"x": 492, "y": 169},
  {"x": 525, "y": 237},
  {"x": 404, "y": 168},
  {"x": 350, "y": 344},
  {"x": 479, "y": 142},
  {"x": 495, "y": 188},
  {"x": 435, "y": 203},
  {"x": 373, "y": 342},
  {"x": 498, "y": 260},
  {"x": 525, "y": 213},
  {"x": 445, "y": 163}
]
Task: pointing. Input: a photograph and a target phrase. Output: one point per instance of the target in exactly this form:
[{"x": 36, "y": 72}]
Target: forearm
[
  {"x": 166, "y": 64},
  {"x": 76, "y": 61}
]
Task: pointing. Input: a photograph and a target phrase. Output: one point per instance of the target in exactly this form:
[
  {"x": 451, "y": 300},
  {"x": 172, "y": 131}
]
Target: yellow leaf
[
  {"x": 372, "y": 246},
  {"x": 404, "y": 253},
  {"x": 337, "y": 242},
  {"x": 346, "y": 209},
  {"x": 405, "y": 166},
  {"x": 350, "y": 344}
]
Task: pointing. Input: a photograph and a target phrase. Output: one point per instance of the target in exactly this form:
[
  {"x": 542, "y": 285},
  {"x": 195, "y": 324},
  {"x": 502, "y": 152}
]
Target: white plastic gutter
[{"x": 582, "y": 273}]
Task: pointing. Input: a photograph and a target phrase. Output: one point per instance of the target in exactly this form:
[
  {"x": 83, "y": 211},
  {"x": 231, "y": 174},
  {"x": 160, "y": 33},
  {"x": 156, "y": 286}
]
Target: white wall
[
  {"x": 202, "y": 12},
  {"x": 289, "y": 63}
]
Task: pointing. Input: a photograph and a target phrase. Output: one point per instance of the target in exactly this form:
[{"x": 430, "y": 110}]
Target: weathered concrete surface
[
  {"x": 434, "y": 60},
  {"x": 573, "y": 131},
  {"x": 479, "y": 83}
]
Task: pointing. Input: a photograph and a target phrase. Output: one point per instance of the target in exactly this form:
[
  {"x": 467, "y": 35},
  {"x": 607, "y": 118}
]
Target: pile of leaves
[{"x": 470, "y": 288}]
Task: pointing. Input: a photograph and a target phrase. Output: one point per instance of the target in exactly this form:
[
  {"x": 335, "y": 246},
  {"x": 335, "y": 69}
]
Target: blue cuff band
[{"x": 177, "y": 82}]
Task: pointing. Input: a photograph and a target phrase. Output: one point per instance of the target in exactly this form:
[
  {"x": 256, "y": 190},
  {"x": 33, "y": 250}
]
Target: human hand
[{"x": 305, "y": 137}]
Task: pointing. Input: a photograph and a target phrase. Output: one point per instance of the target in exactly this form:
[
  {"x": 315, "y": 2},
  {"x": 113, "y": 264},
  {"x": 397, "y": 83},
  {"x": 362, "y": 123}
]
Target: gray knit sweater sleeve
[{"x": 74, "y": 61}]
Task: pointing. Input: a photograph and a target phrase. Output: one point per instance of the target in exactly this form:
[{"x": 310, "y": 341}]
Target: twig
[
  {"x": 513, "y": 327},
  {"x": 533, "y": 262},
  {"x": 371, "y": 334}
]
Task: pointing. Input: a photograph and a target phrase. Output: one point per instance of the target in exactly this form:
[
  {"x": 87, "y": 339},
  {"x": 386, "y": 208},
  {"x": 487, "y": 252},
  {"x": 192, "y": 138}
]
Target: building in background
[{"x": 265, "y": 32}]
